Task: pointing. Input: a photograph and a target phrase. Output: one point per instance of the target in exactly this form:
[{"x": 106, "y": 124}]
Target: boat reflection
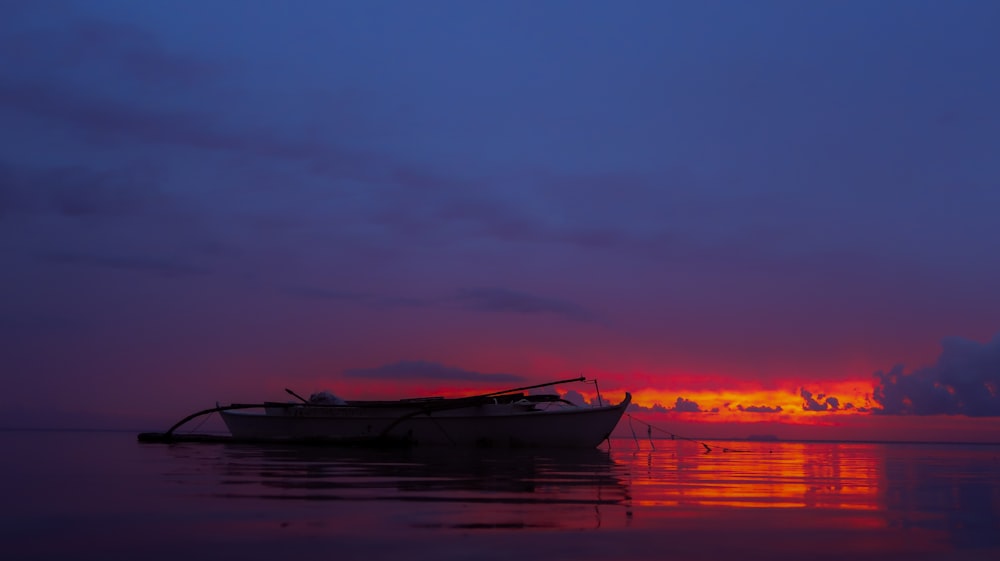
[{"x": 471, "y": 488}]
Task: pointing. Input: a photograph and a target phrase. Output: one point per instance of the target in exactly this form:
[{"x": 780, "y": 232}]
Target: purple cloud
[
  {"x": 572, "y": 396},
  {"x": 655, "y": 408},
  {"x": 686, "y": 406},
  {"x": 78, "y": 191},
  {"x": 131, "y": 52},
  {"x": 316, "y": 293},
  {"x": 965, "y": 380},
  {"x": 821, "y": 402},
  {"x": 759, "y": 409},
  {"x": 113, "y": 120},
  {"x": 498, "y": 300},
  {"x": 165, "y": 267},
  {"x": 424, "y": 370},
  {"x": 682, "y": 405},
  {"x": 96, "y": 116},
  {"x": 493, "y": 299}
]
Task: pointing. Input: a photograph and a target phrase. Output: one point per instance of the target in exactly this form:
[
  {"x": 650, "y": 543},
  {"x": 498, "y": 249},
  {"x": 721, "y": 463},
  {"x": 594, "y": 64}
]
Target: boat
[{"x": 509, "y": 418}]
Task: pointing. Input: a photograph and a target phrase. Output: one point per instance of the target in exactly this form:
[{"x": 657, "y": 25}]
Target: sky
[{"x": 771, "y": 217}]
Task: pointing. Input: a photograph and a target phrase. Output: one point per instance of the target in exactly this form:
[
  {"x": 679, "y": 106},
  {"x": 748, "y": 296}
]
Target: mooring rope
[
  {"x": 600, "y": 402},
  {"x": 204, "y": 419},
  {"x": 673, "y": 436}
]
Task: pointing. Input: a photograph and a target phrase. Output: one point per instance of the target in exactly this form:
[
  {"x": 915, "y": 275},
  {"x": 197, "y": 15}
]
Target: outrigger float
[{"x": 504, "y": 418}]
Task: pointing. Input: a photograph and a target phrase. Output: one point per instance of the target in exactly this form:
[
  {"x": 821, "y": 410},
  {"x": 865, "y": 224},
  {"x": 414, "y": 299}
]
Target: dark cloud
[
  {"x": 594, "y": 238},
  {"x": 964, "y": 381},
  {"x": 494, "y": 218},
  {"x": 483, "y": 299},
  {"x": 655, "y": 408},
  {"x": 482, "y": 215},
  {"x": 141, "y": 263},
  {"x": 686, "y": 406},
  {"x": 575, "y": 397},
  {"x": 78, "y": 191},
  {"x": 424, "y": 370},
  {"x": 821, "y": 402},
  {"x": 474, "y": 207},
  {"x": 130, "y": 52},
  {"x": 115, "y": 120},
  {"x": 315, "y": 293},
  {"x": 504, "y": 300},
  {"x": 682, "y": 405},
  {"x": 112, "y": 118},
  {"x": 11, "y": 323},
  {"x": 759, "y": 409},
  {"x": 374, "y": 300},
  {"x": 14, "y": 198},
  {"x": 424, "y": 203},
  {"x": 137, "y": 53},
  {"x": 121, "y": 52}
]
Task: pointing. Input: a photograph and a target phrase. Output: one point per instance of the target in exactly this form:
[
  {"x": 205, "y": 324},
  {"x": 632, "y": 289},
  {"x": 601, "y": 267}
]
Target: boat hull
[{"x": 481, "y": 425}]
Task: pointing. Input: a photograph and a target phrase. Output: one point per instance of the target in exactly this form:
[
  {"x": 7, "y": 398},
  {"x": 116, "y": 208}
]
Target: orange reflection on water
[{"x": 762, "y": 475}]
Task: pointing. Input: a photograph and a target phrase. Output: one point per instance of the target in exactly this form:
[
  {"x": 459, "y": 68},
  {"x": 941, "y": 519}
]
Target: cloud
[
  {"x": 686, "y": 406},
  {"x": 19, "y": 323},
  {"x": 112, "y": 118},
  {"x": 96, "y": 47},
  {"x": 965, "y": 380},
  {"x": 821, "y": 402},
  {"x": 138, "y": 53},
  {"x": 498, "y": 300},
  {"x": 77, "y": 191},
  {"x": 108, "y": 119},
  {"x": 682, "y": 405},
  {"x": 141, "y": 263},
  {"x": 366, "y": 298},
  {"x": 655, "y": 408},
  {"x": 574, "y": 397},
  {"x": 423, "y": 202},
  {"x": 424, "y": 370},
  {"x": 48, "y": 87},
  {"x": 759, "y": 409},
  {"x": 493, "y": 299},
  {"x": 316, "y": 293}
]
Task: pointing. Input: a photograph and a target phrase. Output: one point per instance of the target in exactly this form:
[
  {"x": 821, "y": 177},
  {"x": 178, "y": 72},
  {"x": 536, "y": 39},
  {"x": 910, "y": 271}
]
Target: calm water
[{"x": 81, "y": 495}]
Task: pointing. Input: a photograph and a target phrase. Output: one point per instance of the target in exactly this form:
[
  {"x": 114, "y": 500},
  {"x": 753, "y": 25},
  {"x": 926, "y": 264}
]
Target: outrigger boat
[{"x": 504, "y": 418}]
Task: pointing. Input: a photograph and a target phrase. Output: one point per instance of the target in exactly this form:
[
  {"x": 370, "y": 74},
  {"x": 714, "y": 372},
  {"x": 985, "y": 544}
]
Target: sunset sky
[{"x": 758, "y": 217}]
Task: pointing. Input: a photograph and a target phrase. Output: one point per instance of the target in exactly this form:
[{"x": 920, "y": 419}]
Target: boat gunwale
[{"x": 421, "y": 411}]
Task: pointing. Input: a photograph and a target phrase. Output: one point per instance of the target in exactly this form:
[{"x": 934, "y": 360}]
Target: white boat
[{"x": 502, "y": 419}]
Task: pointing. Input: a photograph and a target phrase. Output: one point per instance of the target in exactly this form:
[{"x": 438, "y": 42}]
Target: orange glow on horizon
[{"x": 812, "y": 404}]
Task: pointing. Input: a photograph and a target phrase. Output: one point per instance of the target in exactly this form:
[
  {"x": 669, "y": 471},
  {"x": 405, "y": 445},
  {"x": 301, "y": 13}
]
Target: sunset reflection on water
[
  {"x": 104, "y": 496},
  {"x": 771, "y": 475}
]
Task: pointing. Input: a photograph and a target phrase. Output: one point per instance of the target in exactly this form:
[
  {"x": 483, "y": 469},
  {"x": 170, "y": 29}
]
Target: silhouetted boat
[{"x": 506, "y": 418}]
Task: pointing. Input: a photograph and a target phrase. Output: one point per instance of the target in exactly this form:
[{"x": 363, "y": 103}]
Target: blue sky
[{"x": 199, "y": 197}]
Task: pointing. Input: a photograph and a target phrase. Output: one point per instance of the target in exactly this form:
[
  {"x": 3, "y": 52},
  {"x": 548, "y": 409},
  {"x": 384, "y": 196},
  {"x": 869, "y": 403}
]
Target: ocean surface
[{"x": 104, "y": 496}]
